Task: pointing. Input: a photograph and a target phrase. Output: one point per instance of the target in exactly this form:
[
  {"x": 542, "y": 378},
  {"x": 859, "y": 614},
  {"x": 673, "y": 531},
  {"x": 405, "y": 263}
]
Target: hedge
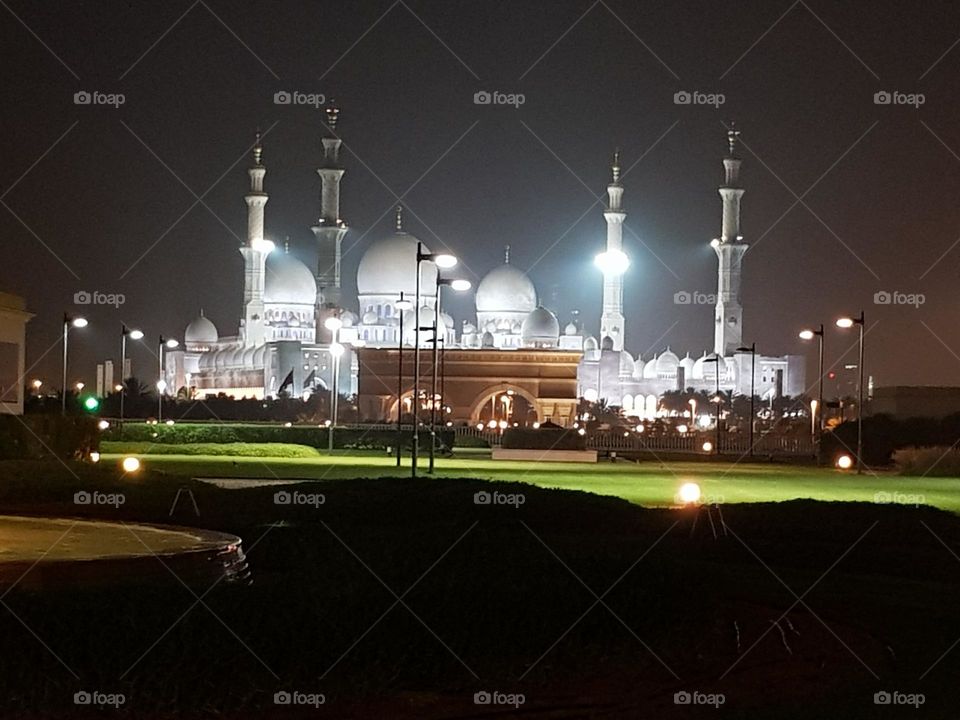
[
  {"x": 543, "y": 439},
  {"x": 45, "y": 435}
]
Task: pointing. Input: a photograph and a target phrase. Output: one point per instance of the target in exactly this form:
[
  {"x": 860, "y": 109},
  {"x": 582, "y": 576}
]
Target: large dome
[
  {"x": 389, "y": 267},
  {"x": 506, "y": 289},
  {"x": 201, "y": 330},
  {"x": 288, "y": 281}
]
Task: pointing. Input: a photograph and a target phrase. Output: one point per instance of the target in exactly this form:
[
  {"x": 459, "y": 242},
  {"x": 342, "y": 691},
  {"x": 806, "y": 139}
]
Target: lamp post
[
  {"x": 402, "y": 306},
  {"x": 458, "y": 286},
  {"x": 716, "y": 361},
  {"x": 333, "y": 324},
  {"x": 170, "y": 343},
  {"x": 124, "y": 334},
  {"x": 849, "y": 322},
  {"x": 808, "y": 334},
  {"x": 68, "y": 322},
  {"x": 753, "y": 374},
  {"x": 440, "y": 260}
]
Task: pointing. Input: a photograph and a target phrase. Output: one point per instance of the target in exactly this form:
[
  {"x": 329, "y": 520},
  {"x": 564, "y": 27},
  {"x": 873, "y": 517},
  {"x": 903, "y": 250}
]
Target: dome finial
[
  {"x": 399, "y": 218},
  {"x": 506, "y": 254},
  {"x": 616, "y": 166},
  {"x": 732, "y": 135},
  {"x": 333, "y": 114},
  {"x": 286, "y": 245},
  {"x": 257, "y": 148}
]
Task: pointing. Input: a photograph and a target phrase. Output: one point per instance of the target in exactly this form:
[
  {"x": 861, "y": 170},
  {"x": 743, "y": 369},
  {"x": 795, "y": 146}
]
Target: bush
[
  {"x": 883, "y": 435},
  {"x": 543, "y": 439},
  {"x": 930, "y": 461},
  {"x": 266, "y": 450},
  {"x": 47, "y": 435}
]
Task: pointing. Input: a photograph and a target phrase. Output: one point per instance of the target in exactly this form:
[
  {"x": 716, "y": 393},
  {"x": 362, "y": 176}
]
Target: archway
[{"x": 520, "y": 405}]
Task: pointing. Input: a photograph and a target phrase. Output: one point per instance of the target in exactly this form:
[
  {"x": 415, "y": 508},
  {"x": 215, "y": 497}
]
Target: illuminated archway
[{"x": 503, "y": 389}]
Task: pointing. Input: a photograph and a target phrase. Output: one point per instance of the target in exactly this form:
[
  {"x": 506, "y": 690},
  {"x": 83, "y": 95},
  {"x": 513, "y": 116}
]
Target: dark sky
[{"x": 878, "y": 184}]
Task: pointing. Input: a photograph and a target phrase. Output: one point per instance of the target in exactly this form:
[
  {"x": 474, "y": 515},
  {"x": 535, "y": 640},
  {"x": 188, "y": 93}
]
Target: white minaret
[
  {"x": 613, "y": 263},
  {"x": 330, "y": 228},
  {"x": 728, "y": 330},
  {"x": 254, "y": 253}
]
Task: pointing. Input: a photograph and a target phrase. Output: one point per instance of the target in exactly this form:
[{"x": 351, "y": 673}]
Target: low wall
[{"x": 576, "y": 456}]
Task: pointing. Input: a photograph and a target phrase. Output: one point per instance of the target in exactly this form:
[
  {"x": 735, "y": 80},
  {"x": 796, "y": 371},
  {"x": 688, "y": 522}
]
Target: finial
[
  {"x": 399, "y": 218},
  {"x": 201, "y": 312},
  {"x": 506, "y": 254},
  {"x": 257, "y": 148},
  {"x": 732, "y": 135},
  {"x": 286, "y": 245},
  {"x": 333, "y": 114},
  {"x": 616, "y": 165}
]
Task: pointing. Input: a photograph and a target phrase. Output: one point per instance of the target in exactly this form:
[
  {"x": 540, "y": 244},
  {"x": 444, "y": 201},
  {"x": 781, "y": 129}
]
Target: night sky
[{"x": 88, "y": 191}]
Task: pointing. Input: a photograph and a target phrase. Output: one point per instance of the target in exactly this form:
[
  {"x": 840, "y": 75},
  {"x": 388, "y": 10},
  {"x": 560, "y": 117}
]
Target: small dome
[
  {"x": 506, "y": 289},
  {"x": 369, "y": 318},
  {"x": 627, "y": 366},
  {"x": 650, "y": 369},
  {"x": 469, "y": 328},
  {"x": 288, "y": 281},
  {"x": 540, "y": 328},
  {"x": 667, "y": 365},
  {"x": 687, "y": 364},
  {"x": 570, "y": 329},
  {"x": 389, "y": 267},
  {"x": 201, "y": 330},
  {"x": 348, "y": 318}
]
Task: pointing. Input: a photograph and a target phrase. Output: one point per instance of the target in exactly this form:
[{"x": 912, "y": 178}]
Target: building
[
  {"x": 13, "y": 329},
  {"x": 512, "y": 351}
]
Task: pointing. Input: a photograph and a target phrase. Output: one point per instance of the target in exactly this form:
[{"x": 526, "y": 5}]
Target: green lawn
[{"x": 649, "y": 483}]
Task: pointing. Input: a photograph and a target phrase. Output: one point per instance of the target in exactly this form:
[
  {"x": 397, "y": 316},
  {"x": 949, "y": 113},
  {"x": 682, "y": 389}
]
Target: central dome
[
  {"x": 288, "y": 281},
  {"x": 201, "y": 330},
  {"x": 389, "y": 267},
  {"x": 506, "y": 289}
]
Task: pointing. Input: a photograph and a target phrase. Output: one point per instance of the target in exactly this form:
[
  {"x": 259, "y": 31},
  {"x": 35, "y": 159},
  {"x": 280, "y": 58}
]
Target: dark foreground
[{"x": 402, "y": 599}]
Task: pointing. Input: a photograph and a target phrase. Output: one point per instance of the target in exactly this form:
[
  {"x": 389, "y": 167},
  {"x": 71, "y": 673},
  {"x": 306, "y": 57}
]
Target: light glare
[{"x": 689, "y": 493}]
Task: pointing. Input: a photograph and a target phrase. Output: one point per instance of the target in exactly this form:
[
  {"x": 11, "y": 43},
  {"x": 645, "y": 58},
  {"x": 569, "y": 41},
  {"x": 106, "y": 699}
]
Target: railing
[{"x": 732, "y": 444}]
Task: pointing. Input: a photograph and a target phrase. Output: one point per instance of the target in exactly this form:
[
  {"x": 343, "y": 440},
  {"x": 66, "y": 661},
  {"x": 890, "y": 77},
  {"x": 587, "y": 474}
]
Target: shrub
[
  {"x": 266, "y": 450},
  {"x": 47, "y": 435},
  {"x": 931, "y": 461},
  {"x": 543, "y": 439},
  {"x": 883, "y": 435}
]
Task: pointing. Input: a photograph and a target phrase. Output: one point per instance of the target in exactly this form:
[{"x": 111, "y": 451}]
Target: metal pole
[
  {"x": 753, "y": 375},
  {"x": 443, "y": 368},
  {"x": 159, "y": 381},
  {"x": 123, "y": 382},
  {"x": 820, "y": 397},
  {"x": 416, "y": 371},
  {"x": 333, "y": 391},
  {"x": 860, "y": 404},
  {"x": 63, "y": 392},
  {"x": 400, "y": 384},
  {"x": 433, "y": 372}
]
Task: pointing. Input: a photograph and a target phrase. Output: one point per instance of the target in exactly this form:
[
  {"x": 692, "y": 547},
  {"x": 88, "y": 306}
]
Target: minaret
[
  {"x": 330, "y": 228},
  {"x": 728, "y": 329},
  {"x": 614, "y": 264},
  {"x": 254, "y": 252}
]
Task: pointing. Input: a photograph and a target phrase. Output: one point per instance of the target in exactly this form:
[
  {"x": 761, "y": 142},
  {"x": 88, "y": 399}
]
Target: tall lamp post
[
  {"x": 125, "y": 333},
  {"x": 170, "y": 343},
  {"x": 333, "y": 324},
  {"x": 402, "y": 306},
  {"x": 458, "y": 286},
  {"x": 809, "y": 334},
  {"x": 440, "y": 260},
  {"x": 68, "y": 322},
  {"x": 753, "y": 374},
  {"x": 716, "y": 361},
  {"x": 849, "y": 322}
]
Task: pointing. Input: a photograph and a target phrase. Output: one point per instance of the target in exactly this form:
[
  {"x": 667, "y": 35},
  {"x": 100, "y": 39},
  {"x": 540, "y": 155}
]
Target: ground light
[
  {"x": 844, "y": 462},
  {"x": 130, "y": 464},
  {"x": 94, "y": 457},
  {"x": 103, "y": 424},
  {"x": 708, "y": 446},
  {"x": 689, "y": 493},
  {"x": 91, "y": 404}
]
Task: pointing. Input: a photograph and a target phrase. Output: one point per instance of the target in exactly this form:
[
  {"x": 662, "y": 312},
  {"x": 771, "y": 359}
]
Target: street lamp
[
  {"x": 808, "y": 334},
  {"x": 753, "y": 373},
  {"x": 716, "y": 361},
  {"x": 125, "y": 333},
  {"x": 333, "y": 324},
  {"x": 170, "y": 343},
  {"x": 457, "y": 285},
  {"x": 846, "y": 323},
  {"x": 402, "y": 306},
  {"x": 68, "y": 322},
  {"x": 439, "y": 260}
]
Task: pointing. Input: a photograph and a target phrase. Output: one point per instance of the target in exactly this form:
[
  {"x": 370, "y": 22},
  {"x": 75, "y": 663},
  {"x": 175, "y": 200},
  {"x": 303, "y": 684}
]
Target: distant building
[
  {"x": 905, "y": 401},
  {"x": 13, "y": 329}
]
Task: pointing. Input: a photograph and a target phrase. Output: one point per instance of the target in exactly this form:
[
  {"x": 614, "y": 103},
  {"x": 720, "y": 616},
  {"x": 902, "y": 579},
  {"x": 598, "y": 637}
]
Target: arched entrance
[{"x": 505, "y": 402}]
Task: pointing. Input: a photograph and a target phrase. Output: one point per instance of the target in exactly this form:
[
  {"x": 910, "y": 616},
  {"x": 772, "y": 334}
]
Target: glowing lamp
[
  {"x": 612, "y": 262},
  {"x": 172, "y": 343},
  {"x": 444, "y": 261},
  {"x": 264, "y": 246},
  {"x": 582, "y": 431},
  {"x": 708, "y": 446},
  {"x": 460, "y": 285},
  {"x": 682, "y": 429},
  {"x": 336, "y": 349},
  {"x": 130, "y": 464},
  {"x": 844, "y": 322},
  {"x": 170, "y": 423},
  {"x": 79, "y": 322},
  {"x": 480, "y": 426},
  {"x": 94, "y": 457},
  {"x": 715, "y": 243},
  {"x": 844, "y": 462},
  {"x": 135, "y": 334},
  {"x": 689, "y": 493},
  {"x": 536, "y": 426},
  {"x": 806, "y": 334},
  {"x": 333, "y": 323},
  {"x": 103, "y": 424},
  {"x": 403, "y": 304}
]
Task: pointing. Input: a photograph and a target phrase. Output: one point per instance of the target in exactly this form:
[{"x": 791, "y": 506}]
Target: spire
[
  {"x": 257, "y": 150},
  {"x": 286, "y": 245},
  {"x": 733, "y": 136},
  {"x": 333, "y": 114},
  {"x": 399, "y": 218},
  {"x": 506, "y": 254},
  {"x": 616, "y": 166}
]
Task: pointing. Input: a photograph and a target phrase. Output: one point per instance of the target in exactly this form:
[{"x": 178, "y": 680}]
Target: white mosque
[{"x": 283, "y": 344}]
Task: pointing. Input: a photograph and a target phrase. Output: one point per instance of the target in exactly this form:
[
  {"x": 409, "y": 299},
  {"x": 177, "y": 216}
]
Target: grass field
[{"x": 650, "y": 484}]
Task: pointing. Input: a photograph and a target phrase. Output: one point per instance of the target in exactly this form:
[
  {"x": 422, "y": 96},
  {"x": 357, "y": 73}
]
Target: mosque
[{"x": 296, "y": 329}]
